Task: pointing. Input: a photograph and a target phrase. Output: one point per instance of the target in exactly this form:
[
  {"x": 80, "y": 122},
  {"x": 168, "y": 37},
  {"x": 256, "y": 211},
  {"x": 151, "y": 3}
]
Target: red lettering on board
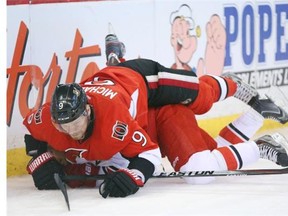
[{"x": 34, "y": 77}]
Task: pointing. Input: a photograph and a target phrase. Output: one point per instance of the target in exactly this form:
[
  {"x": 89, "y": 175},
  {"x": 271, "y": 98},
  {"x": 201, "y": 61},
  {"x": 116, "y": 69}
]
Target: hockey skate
[
  {"x": 112, "y": 59},
  {"x": 115, "y": 50},
  {"x": 265, "y": 106},
  {"x": 274, "y": 148}
]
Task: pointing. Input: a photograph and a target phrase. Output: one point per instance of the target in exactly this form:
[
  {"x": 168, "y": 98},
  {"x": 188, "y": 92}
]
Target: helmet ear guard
[{"x": 68, "y": 103}]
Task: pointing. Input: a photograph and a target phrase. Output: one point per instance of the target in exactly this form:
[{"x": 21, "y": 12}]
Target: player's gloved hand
[
  {"x": 121, "y": 183},
  {"x": 42, "y": 169}
]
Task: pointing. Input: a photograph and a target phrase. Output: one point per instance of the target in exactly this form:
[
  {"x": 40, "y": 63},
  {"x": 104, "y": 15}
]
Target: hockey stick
[
  {"x": 191, "y": 174},
  {"x": 60, "y": 180},
  {"x": 62, "y": 187}
]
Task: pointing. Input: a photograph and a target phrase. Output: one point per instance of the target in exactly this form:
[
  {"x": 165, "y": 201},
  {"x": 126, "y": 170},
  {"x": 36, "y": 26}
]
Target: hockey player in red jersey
[
  {"x": 190, "y": 148},
  {"x": 106, "y": 118},
  {"x": 104, "y": 122}
]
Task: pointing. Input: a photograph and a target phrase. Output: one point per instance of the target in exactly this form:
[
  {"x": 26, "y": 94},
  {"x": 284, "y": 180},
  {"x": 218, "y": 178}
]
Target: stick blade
[{"x": 62, "y": 187}]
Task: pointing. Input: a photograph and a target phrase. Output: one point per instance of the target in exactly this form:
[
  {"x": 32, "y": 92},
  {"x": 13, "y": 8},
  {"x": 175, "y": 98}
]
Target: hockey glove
[
  {"x": 122, "y": 183},
  {"x": 42, "y": 169},
  {"x": 34, "y": 147}
]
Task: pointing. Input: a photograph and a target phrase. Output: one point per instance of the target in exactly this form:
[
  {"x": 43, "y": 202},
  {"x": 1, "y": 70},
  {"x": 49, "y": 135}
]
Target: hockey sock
[
  {"x": 236, "y": 156},
  {"x": 240, "y": 130},
  {"x": 223, "y": 158}
]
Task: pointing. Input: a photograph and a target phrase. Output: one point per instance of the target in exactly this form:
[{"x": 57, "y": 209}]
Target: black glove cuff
[
  {"x": 34, "y": 147},
  {"x": 143, "y": 165}
]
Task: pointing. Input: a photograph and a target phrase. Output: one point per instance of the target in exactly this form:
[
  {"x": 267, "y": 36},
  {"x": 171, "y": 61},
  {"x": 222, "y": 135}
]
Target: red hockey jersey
[{"x": 118, "y": 97}]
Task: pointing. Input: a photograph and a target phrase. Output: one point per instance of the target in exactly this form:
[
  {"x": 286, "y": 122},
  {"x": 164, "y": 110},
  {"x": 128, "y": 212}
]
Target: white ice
[
  {"x": 238, "y": 195},
  {"x": 245, "y": 195}
]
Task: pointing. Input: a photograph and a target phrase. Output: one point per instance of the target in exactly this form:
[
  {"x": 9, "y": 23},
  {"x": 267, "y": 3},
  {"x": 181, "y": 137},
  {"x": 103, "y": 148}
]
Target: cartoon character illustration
[
  {"x": 215, "y": 46},
  {"x": 185, "y": 43},
  {"x": 182, "y": 40}
]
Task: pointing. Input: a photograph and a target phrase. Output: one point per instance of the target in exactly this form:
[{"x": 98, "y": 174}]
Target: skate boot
[
  {"x": 273, "y": 147},
  {"x": 244, "y": 91},
  {"x": 115, "y": 50},
  {"x": 112, "y": 59},
  {"x": 269, "y": 110},
  {"x": 265, "y": 106}
]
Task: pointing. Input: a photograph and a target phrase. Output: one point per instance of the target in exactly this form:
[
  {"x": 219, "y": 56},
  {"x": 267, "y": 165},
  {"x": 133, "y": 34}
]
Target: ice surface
[{"x": 245, "y": 195}]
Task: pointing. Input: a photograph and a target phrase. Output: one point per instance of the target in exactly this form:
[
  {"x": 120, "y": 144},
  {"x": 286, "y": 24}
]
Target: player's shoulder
[{"x": 38, "y": 116}]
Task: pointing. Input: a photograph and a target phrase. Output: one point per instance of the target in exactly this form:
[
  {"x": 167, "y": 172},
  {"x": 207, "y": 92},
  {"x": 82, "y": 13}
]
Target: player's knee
[
  {"x": 204, "y": 100},
  {"x": 200, "y": 161}
]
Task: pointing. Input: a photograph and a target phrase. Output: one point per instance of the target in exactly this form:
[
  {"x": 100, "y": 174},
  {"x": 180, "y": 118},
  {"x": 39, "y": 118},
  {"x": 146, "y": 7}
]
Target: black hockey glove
[
  {"x": 43, "y": 165},
  {"x": 34, "y": 147},
  {"x": 121, "y": 183},
  {"x": 42, "y": 169}
]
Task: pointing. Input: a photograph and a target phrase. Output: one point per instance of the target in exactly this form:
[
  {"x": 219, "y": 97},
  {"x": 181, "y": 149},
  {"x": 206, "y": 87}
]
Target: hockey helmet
[{"x": 68, "y": 103}]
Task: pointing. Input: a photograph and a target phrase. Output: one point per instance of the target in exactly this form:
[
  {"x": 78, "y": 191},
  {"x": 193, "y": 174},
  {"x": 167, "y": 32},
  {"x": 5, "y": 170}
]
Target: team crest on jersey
[
  {"x": 120, "y": 130},
  {"x": 37, "y": 117}
]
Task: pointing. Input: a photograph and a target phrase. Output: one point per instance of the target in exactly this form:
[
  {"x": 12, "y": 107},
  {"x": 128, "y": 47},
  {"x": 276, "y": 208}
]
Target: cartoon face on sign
[
  {"x": 184, "y": 43},
  {"x": 182, "y": 40}
]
